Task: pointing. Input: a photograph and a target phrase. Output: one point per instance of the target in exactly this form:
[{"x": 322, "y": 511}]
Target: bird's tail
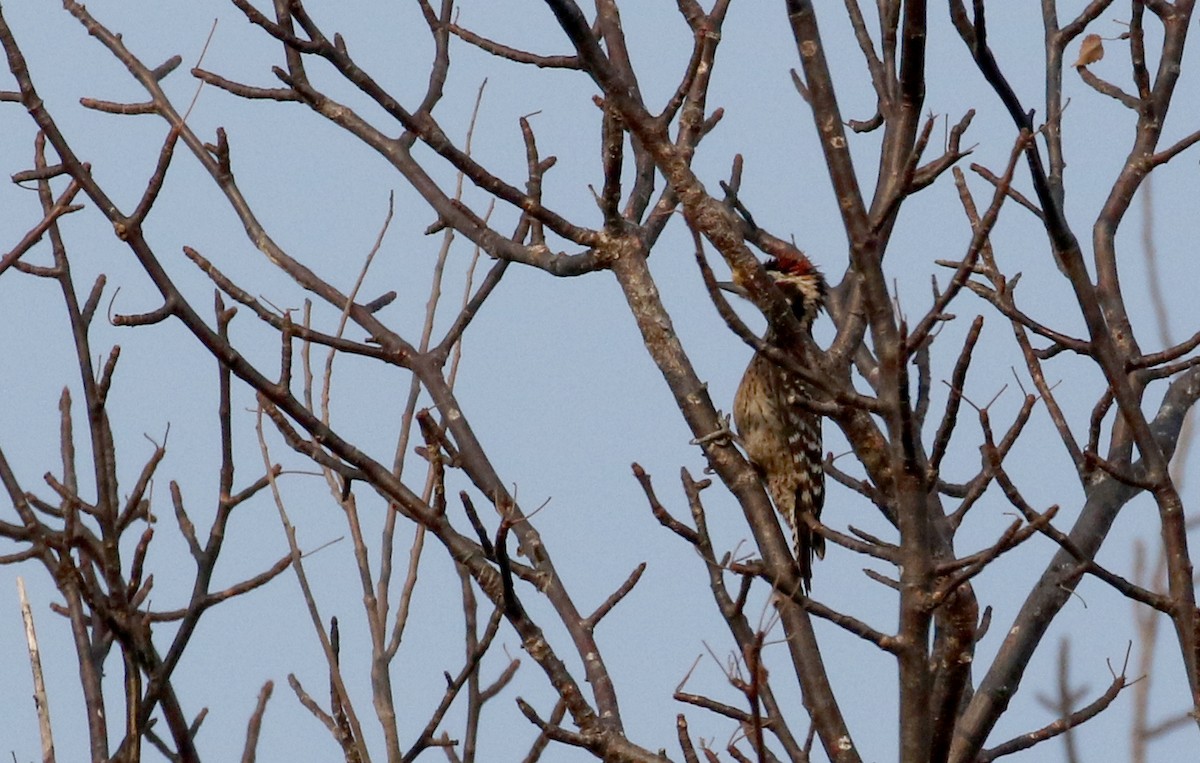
[{"x": 806, "y": 544}]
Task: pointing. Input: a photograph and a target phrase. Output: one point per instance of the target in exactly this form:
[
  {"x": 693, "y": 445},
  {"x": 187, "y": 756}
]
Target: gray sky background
[{"x": 554, "y": 378}]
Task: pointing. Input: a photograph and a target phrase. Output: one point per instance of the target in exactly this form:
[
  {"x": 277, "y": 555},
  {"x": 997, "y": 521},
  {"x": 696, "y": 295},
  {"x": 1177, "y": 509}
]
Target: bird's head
[{"x": 798, "y": 279}]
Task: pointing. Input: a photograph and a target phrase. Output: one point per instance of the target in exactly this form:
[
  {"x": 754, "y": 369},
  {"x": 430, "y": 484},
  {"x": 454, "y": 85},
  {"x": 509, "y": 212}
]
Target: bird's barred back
[{"x": 783, "y": 439}]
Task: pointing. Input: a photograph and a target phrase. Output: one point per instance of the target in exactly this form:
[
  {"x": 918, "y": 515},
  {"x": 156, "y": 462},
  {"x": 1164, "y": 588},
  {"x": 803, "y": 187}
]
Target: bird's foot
[{"x": 723, "y": 433}]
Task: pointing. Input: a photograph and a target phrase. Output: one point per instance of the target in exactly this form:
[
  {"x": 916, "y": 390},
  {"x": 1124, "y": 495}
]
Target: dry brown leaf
[{"x": 1091, "y": 50}]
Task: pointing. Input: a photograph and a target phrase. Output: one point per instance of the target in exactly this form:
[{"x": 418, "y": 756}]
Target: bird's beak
[{"x": 733, "y": 288}]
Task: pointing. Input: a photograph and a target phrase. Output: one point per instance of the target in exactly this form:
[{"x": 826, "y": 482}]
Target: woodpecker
[{"x": 781, "y": 437}]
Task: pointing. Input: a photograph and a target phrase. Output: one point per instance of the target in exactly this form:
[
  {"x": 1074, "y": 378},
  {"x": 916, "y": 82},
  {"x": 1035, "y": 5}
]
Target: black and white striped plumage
[{"x": 781, "y": 437}]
